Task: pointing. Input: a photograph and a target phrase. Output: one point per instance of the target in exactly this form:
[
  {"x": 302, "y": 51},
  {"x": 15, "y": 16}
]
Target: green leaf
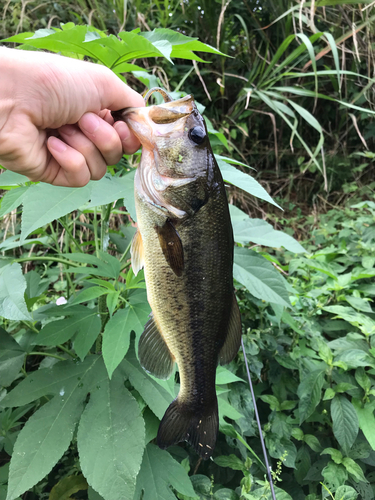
[
  {"x": 260, "y": 232},
  {"x": 43, "y": 203},
  {"x": 361, "y": 321},
  {"x": 111, "y": 436},
  {"x": 12, "y": 289},
  {"x": 93, "y": 292},
  {"x": 230, "y": 461},
  {"x": 354, "y": 469},
  {"x": 245, "y": 182},
  {"x": 334, "y": 475},
  {"x": 158, "y": 471},
  {"x": 336, "y": 455},
  {"x": 9, "y": 178},
  {"x": 12, "y": 199},
  {"x": 86, "y": 335},
  {"x": 345, "y": 422},
  {"x": 11, "y": 358},
  {"x": 366, "y": 419},
  {"x": 313, "y": 442},
  {"x": 259, "y": 277},
  {"x": 58, "y": 332},
  {"x": 67, "y": 487},
  {"x": 346, "y": 492},
  {"x": 116, "y": 337},
  {"x": 310, "y": 393},
  {"x": 61, "y": 379},
  {"x": 42, "y": 441},
  {"x": 155, "y": 396},
  {"x": 224, "y": 376}
]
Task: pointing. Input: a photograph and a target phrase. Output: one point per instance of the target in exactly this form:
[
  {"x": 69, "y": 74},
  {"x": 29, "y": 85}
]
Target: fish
[{"x": 184, "y": 242}]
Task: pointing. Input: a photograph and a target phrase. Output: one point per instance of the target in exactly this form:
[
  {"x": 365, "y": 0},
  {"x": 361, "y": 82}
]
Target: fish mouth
[{"x": 161, "y": 119}]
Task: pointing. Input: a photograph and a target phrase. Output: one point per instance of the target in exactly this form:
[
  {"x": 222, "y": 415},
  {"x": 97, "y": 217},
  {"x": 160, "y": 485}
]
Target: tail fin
[{"x": 187, "y": 422}]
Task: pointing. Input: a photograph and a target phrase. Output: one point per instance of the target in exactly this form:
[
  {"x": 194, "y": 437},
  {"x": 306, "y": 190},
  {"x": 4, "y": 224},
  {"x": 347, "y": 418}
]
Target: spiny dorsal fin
[
  {"x": 154, "y": 354},
  {"x": 136, "y": 252},
  {"x": 171, "y": 246},
  {"x": 233, "y": 339}
]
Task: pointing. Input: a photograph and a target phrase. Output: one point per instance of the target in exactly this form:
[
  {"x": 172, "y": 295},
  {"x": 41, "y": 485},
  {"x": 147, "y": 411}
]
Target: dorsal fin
[
  {"x": 154, "y": 354},
  {"x": 171, "y": 246}
]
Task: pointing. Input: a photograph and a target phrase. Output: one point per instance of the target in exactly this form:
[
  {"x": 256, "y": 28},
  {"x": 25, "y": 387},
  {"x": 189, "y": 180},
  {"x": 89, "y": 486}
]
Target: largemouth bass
[{"x": 185, "y": 244}]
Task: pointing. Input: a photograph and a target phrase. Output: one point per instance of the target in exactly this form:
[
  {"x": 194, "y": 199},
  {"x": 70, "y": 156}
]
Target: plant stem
[
  {"x": 95, "y": 223},
  {"x": 66, "y": 350},
  {"x": 125, "y": 253},
  {"x": 37, "y": 353},
  {"x": 50, "y": 259},
  {"x": 68, "y": 231},
  {"x": 104, "y": 227}
]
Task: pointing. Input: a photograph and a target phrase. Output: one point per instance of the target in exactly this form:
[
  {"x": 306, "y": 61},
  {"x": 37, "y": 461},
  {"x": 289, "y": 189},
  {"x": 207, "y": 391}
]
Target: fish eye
[{"x": 197, "y": 135}]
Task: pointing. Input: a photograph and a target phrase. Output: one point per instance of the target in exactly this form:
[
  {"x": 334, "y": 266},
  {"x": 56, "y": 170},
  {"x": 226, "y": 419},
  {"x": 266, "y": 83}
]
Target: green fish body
[{"x": 185, "y": 244}]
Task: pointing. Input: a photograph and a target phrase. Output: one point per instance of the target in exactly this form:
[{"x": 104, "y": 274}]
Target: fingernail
[
  {"x": 123, "y": 131},
  {"x": 90, "y": 123},
  {"x": 56, "y": 144}
]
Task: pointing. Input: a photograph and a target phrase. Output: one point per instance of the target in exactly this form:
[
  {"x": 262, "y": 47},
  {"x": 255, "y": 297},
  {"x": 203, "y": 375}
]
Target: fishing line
[{"x": 259, "y": 426}]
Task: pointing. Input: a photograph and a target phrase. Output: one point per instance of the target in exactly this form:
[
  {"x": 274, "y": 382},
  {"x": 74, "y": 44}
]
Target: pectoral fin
[
  {"x": 233, "y": 338},
  {"x": 154, "y": 354},
  {"x": 171, "y": 246},
  {"x": 136, "y": 252}
]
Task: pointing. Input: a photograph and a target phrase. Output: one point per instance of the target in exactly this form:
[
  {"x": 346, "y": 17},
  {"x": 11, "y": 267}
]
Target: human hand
[{"x": 55, "y": 121}]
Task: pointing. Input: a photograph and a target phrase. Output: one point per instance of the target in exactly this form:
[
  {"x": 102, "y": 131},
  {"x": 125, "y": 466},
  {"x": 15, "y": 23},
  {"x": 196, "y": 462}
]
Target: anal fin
[
  {"x": 171, "y": 246},
  {"x": 136, "y": 252},
  {"x": 154, "y": 354},
  {"x": 233, "y": 339}
]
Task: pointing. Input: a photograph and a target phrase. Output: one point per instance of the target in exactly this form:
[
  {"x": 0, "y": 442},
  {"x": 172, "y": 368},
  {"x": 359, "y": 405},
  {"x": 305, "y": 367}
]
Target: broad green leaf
[
  {"x": 110, "y": 189},
  {"x": 259, "y": 277},
  {"x": 43, "y": 440},
  {"x": 111, "y": 437},
  {"x": 336, "y": 455},
  {"x": 156, "y": 397},
  {"x": 334, "y": 475},
  {"x": 366, "y": 420},
  {"x": 355, "y": 469},
  {"x": 224, "y": 376},
  {"x": 12, "y": 199},
  {"x": 9, "y": 178},
  {"x": 345, "y": 422},
  {"x": 244, "y": 181},
  {"x": 67, "y": 487},
  {"x": 283, "y": 447},
  {"x": 310, "y": 393},
  {"x": 61, "y": 379},
  {"x": 12, "y": 289},
  {"x": 355, "y": 318},
  {"x": 58, "y": 332},
  {"x": 11, "y": 358},
  {"x": 93, "y": 292},
  {"x": 231, "y": 461},
  {"x": 116, "y": 337},
  {"x": 182, "y": 45},
  {"x": 158, "y": 471},
  {"x": 260, "y": 232},
  {"x": 358, "y": 303},
  {"x": 86, "y": 335},
  {"x": 43, "y": 203},
  {"x": 346, "y": 492}
]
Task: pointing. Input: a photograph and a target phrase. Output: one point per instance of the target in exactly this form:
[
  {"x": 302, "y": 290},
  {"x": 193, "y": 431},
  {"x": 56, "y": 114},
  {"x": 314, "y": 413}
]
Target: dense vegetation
[{"x": 293, "y": 101}]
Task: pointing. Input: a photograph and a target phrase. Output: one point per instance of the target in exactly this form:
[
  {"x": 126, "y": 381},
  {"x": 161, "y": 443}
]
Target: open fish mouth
[{"x": 157, "y": 120}]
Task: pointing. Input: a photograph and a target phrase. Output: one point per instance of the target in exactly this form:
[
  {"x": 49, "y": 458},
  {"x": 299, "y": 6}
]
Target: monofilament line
[{"x": 259, "y": 426}]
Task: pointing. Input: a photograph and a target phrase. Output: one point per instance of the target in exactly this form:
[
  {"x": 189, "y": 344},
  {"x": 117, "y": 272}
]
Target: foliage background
[{"x": 294, "y": 101}]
